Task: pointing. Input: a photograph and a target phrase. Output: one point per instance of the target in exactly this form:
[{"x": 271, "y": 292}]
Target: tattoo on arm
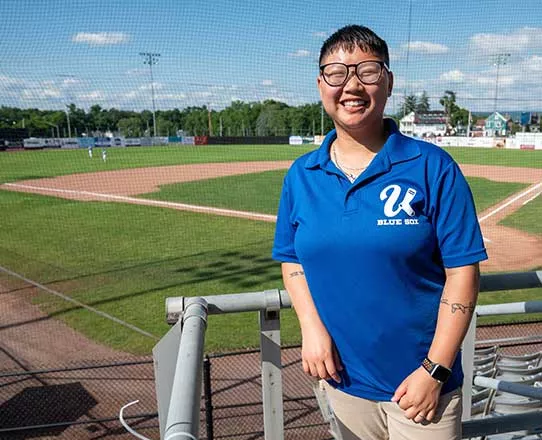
[
  {"x": 458, "y": 306},
  {"x": 296, "y": 274}
]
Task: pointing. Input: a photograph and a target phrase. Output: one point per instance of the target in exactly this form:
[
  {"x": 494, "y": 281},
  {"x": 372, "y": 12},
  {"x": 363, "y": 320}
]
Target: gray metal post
[
  {"x": 183, "y": 413},
  {"x": 271, "y": 367},
  {"x": 467, "y": 359}
]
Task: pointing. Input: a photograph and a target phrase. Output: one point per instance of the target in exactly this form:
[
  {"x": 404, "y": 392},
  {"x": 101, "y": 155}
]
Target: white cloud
[
  {"x": 267, "y": 82},
  {"x": 95, "y": 95},
  {"x": 70, "y": 81},
  {"x": 6, "y": 81},
  {"x": 155, "y": 85},
  {"x": 533, "y": 64},
  {"x": 426, "y": 47},
  {"x": 40, "y": 93},
  {"x": 138, "y": 71},
  {"x": 453, "y": 76},
  {"x": 300, "y": 53},
  {"x": 173, "y": 96},
  {"x": 518, "y": 41},
  {"x": 100, "y": 38},
  {"x": 395, "y": 54}
]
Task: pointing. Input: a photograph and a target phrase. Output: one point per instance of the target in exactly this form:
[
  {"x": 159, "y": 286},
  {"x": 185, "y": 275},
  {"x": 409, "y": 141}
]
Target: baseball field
[{"x": 100, "y": 245}]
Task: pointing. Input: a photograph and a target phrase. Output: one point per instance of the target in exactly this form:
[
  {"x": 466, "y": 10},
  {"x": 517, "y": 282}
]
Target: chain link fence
[{"x": 83, "y": 401}]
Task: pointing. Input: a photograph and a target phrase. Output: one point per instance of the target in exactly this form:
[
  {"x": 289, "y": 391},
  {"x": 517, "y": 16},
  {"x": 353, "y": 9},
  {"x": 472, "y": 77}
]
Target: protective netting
[{"x": 95, "y": 236}]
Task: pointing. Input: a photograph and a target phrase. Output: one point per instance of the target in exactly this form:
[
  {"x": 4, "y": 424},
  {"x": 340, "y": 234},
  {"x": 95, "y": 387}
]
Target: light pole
[
  {"x": 150, "y": 59},
  {"x": 71, "y": 79},
  {"x": 68, "y": 118},
  {"x": 57, "y": 129},
  {"x": 498, "y": 60}
]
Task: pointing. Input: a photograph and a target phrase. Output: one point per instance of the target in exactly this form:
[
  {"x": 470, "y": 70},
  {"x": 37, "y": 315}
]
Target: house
[
  {"x": 496, "y": 125},
  {"x": 428, "y": 124}
]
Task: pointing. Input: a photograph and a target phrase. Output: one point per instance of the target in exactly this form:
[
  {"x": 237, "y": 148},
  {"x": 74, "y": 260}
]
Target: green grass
[
  {"x": 497, "y": 156},
  {"x": 126, "y": 259},
  {"x": 527, "y": 218},
  {"x": 260, "y": 192},
  {"x": 507, "y": 296},
  {"x": 488, "y": 193},
  {"x": 19, "y": 165}
]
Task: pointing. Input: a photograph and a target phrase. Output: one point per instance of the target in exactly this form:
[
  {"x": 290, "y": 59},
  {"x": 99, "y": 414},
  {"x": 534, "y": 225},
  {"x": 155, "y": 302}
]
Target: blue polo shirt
[{"x": 374, "y": 253}]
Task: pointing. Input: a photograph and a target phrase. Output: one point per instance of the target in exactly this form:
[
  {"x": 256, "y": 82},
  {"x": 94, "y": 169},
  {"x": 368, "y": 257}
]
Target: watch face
[{"x": 441, "y": 374}]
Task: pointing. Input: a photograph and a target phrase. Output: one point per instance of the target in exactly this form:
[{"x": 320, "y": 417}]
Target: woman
[{"x": 379, "y": 243}]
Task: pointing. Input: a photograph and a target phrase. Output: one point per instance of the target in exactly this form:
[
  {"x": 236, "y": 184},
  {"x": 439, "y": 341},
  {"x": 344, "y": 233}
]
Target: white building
[{"x": 429, "y": 124}]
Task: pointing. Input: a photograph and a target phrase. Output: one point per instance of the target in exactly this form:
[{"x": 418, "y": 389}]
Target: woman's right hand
[{"x": 318, "y": 353}]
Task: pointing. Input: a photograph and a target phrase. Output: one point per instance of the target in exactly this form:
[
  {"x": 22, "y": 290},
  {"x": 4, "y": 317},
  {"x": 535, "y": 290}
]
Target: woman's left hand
[{"x": 418, "y": 396}]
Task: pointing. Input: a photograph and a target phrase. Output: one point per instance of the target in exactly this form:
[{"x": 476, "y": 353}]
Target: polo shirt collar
[{"x": 398, "y": 148}]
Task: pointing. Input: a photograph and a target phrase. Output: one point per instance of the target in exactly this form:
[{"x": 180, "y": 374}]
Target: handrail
[
  {"x": 189, "y": 316},
  {"x": 508, "y": 387}
]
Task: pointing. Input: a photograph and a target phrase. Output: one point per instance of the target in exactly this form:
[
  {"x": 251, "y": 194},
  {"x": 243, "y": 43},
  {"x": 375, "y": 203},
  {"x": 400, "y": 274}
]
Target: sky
[{"x": 213, "y": 52}]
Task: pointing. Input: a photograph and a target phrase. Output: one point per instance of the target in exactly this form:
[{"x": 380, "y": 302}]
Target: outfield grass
[
  {"x": 20, "y": 165},
  {"x": 260, "y": 192},
  {"x": 527, "y": 218},
  {"x": 497, "y": 156},
  {"x": 126, "y": 259}
]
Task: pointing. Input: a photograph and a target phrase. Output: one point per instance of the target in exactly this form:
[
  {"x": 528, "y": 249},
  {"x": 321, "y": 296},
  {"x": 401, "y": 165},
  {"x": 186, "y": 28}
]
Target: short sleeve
[
  {"x": 283, "y": 247},
  {"x": 456, "y": 224}
]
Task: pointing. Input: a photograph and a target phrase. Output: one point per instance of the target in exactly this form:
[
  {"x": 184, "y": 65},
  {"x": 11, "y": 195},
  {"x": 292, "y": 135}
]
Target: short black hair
[{"x": 354, "y": 36}]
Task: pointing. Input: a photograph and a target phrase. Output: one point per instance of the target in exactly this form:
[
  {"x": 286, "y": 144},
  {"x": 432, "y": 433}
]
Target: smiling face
[{"x": 355, "y": 108}]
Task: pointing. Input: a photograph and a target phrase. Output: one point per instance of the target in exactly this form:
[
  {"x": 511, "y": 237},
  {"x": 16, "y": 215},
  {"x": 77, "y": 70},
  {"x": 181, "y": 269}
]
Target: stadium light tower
[
  {"x": 498, "y": 60},
  {"x": 67, "y": 110},
  {"x": 150, "y": 59}
]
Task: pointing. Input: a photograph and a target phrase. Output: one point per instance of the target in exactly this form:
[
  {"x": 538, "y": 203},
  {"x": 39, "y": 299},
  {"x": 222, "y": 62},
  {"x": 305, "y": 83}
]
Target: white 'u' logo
[{"x": 389, "y": 209}]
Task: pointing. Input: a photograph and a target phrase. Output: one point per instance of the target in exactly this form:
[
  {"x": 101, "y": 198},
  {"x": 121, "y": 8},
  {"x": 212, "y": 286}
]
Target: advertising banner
[
  {"x": 296, "y": 140},
  {"x": 102, "y": 142},
  {"x": 146, "y": 141},
  {"x": 85, "y": 142},
  {"x": 132, "y": 142}
]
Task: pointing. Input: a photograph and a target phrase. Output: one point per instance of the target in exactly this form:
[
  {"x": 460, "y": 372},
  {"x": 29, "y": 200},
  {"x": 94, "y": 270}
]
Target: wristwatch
[{"x": 438, "y": 372}]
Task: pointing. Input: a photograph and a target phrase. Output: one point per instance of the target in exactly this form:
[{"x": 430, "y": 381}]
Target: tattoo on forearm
[
  {"x": 458, "y": 306},
  {"x": 296, "y": 273}
]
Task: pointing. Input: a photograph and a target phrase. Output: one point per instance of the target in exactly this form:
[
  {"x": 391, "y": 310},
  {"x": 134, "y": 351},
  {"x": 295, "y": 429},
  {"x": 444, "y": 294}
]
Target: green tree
[
  {"x": 448, "y": 102},
  {"x": 423, "y": 106},
  {"x": 130, "y": 127},
  {"x": 409, "y": 105}
]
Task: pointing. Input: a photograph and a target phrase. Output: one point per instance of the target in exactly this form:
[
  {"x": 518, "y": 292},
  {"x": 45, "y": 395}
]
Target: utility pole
[
  {"x": 321, "y": 119},
  {"x": 209, "y": 120},
  {"x": 68, "y": 118},
  {"x": 71, "y": 79},
  {"x": 406, "y": 91},
  {"x": 498, "y": 60},
  {"x": 150, "y": 59}
]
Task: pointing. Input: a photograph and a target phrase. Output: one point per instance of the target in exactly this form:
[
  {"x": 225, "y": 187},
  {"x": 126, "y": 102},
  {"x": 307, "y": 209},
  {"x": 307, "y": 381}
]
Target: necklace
[{"x": 350, "y": 175}]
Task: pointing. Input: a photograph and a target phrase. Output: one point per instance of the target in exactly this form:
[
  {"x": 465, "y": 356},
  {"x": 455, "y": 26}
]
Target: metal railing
[{"x": 178, "y": 359}]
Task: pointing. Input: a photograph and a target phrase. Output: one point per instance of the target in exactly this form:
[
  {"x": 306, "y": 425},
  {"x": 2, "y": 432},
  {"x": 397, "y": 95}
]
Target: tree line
[{"x": 267, "y": 118}]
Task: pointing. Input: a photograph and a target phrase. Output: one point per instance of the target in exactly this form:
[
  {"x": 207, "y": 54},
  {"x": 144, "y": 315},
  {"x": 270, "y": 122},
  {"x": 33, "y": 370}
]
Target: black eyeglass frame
[{"x": 347, "y": 78}]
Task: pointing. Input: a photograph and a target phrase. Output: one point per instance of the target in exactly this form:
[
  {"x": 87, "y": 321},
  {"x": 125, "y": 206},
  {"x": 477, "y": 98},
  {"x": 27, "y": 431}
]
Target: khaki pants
[{"x": 361, "y": 419}]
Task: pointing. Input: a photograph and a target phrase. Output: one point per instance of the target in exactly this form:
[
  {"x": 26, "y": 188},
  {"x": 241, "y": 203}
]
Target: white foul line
[
  {"x": 531, "y": 199},
  {"x": 78, "y": 303},
  {"x": 183, "y": 206},
  {"x": 519, "y": 196}
]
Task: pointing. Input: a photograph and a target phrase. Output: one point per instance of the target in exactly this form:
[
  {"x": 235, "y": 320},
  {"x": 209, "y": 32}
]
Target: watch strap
[{"x": 438, "y": 372}]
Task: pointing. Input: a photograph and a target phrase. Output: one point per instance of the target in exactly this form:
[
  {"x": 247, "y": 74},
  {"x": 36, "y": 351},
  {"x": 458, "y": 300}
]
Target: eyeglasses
[{"x": 337, "y": 74}]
